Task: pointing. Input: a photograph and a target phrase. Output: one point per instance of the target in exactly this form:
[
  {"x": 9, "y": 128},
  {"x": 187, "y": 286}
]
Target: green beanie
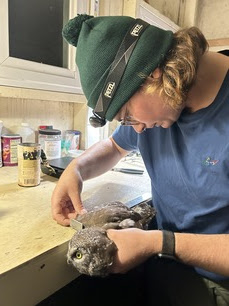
[{"x": 98, "y": 39}]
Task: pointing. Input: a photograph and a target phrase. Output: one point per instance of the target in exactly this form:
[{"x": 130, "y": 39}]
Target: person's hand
[
  {"x": 134, "y": 247},
  {"x": 66, "y": 200}
]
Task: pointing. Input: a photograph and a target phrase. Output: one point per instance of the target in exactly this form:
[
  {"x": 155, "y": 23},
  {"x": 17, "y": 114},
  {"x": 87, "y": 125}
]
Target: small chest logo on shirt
[{"x": 210, "y": 162}]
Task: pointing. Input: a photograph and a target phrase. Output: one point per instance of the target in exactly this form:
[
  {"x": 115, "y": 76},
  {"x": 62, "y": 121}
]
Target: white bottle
[{"x": 26, "y": 132}]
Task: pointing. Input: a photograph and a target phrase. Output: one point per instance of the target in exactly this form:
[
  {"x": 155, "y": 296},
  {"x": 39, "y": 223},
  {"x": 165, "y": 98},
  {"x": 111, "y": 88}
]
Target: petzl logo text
[
  {"x": 136, "y": 30},
  {"x": 109, "y": 90}
]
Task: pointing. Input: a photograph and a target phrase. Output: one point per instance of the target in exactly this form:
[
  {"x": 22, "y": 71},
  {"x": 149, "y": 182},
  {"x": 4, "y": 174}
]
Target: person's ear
[{"x": 156, "y": 74}]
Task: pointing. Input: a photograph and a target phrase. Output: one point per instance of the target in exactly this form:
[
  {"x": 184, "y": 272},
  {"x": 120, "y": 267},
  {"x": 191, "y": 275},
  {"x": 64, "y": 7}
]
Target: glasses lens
[{"x": 129, "y": 123}]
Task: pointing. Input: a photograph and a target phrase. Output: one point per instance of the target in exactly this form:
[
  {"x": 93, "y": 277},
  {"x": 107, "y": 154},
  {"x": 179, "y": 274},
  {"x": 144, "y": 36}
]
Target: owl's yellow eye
[{"x": 78, "y": 255}]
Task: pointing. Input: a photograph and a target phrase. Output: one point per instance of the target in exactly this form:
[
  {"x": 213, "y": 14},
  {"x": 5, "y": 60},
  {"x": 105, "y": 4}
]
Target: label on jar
[
  {"x": 9, "y": 149},
  {"x": 29, "y": 164},
  {"x": 52, "y": 149}
]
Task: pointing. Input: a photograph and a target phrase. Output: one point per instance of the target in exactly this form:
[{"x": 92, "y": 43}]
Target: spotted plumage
[{"x": 90, "y": 251}]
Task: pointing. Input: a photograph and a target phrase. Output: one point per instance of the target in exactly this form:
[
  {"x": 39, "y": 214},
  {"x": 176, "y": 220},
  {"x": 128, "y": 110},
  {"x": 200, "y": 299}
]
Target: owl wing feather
[{"x": 113, "y": 213}]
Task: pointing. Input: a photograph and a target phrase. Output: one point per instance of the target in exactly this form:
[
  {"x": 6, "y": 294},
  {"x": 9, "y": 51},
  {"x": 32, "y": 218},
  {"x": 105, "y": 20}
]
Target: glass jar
[{"x": 50, "y": 141}]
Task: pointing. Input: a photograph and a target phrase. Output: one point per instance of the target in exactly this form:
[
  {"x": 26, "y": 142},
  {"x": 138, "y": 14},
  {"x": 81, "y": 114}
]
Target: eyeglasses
[
  {"x": 97, "y": 121},
  {"x": 128, "y": 121}
]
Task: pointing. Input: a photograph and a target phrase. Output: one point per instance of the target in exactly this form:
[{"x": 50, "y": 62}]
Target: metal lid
[
  {"x": 49, "y": 132},
  {"x": 29, "y": 144},
  {"x": 11, "y": 135},
  {"x": 76, "y": 132}
]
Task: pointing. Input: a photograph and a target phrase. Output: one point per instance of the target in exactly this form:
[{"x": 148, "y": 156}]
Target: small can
[
  {"x": 29, "y": 166},
  {"x": 9, "y": 149}
]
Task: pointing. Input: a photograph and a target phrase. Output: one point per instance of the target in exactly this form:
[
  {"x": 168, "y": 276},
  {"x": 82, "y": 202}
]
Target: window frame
[{"x": 27, "y": 74}]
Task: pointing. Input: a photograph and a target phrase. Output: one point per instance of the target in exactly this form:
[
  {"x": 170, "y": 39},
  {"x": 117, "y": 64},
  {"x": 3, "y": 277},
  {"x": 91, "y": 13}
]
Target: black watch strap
[{"x": 168, "y": 245}]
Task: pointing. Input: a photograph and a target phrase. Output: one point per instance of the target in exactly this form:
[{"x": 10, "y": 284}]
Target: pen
[{"x": 128, "y": 170}]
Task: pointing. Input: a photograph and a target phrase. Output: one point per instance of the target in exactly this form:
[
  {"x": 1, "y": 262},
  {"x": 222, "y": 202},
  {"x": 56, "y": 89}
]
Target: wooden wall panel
[
  {"x": 13, "y": 111},
  {"x": 110, "y": 7},
  {"x": 80, "y": 121}
]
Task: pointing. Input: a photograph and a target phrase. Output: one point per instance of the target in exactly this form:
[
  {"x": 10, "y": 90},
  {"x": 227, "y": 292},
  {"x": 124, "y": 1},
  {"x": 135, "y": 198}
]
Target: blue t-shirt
[{"x": 188, "y": 164}]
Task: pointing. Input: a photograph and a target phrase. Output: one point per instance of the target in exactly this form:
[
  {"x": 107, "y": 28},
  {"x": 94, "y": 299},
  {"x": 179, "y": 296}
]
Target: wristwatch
[{"x": 168, "y": 245}]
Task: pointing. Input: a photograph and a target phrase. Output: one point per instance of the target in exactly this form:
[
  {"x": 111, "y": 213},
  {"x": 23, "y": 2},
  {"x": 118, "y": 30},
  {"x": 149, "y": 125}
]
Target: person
[{"x": 171, "y": 97}]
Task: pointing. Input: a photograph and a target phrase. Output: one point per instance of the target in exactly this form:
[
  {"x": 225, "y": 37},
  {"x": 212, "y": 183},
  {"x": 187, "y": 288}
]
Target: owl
[{"x": 90, "y": 250}]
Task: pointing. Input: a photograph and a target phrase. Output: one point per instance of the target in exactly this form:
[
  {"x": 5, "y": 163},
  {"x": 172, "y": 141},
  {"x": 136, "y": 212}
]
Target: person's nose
[{"x": 139, "y": 128}]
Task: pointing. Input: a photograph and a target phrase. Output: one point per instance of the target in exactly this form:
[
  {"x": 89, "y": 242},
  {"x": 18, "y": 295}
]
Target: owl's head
[{"x": 91, "y": 252}]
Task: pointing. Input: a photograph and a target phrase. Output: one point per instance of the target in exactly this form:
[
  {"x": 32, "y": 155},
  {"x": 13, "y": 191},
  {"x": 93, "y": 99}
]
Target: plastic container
[
  {"x": 26, "y": 132},
  {"x": 50, "y": 141},
  {"x": 70, "y": 141}
]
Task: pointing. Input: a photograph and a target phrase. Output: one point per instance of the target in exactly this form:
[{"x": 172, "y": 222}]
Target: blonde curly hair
[{"x": 179, "y": 67}]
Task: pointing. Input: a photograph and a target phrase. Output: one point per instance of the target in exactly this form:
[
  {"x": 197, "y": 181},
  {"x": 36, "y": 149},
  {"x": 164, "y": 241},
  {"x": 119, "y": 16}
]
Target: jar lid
[
  {"x": 49, "y": 132},
  {"x": 45, "y": 127},
  {"x": 11, "y": 135},
  {"x": 72, "y": 132}
]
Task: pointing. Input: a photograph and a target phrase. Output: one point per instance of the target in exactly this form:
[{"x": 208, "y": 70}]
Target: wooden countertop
[{"x": 26, "y": 226}]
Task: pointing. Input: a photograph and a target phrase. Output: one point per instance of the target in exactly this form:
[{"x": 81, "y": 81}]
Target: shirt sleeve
[{"x": 126, "y": 138}]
